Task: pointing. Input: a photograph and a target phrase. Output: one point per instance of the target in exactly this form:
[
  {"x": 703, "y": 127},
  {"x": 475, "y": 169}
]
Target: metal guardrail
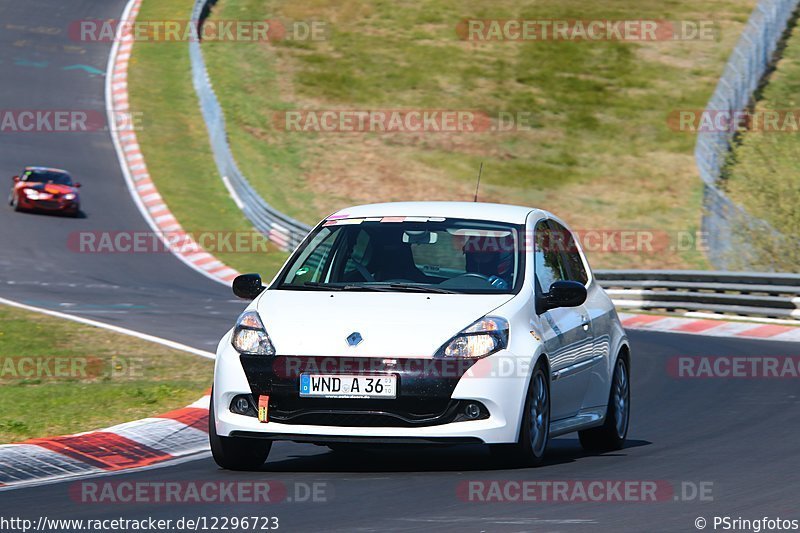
[
  {"x": 280, "y": 228},
  {"x": 724, "y": 221},
  {"x": 754, "y": 294}
]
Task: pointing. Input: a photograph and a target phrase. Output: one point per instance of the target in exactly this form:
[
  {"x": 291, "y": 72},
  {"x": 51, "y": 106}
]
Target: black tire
[
  {"x": 612, "y": 434},
  {"x": 15, "y": 203},
  {"x": 236, "y": 453},
  {"x": 534, "y": 434}
]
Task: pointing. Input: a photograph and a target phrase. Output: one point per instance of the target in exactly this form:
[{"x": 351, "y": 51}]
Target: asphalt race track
[
  {"x": 734, "y": 439},
  {"x": 152, "y": 292},
  {"x": 735, "y": 435}
]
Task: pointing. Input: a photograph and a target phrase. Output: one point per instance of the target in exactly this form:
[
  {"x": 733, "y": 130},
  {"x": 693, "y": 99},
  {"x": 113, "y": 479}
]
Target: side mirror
[
  {"x": 15, "y": 179},
  {"x": 247, "y": 286},
  {"x": 561, "y": 294},
  {"x": 77, "y": 184}
]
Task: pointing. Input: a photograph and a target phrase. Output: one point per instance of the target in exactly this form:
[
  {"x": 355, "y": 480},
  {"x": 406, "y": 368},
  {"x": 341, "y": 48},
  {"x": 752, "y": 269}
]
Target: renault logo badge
[{"x": 354, "y": 338}]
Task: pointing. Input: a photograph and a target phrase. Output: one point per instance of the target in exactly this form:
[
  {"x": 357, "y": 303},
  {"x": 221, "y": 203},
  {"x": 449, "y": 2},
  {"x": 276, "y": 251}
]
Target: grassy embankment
[
  {"x": 599, "y": 153},
  {"x": 763, "y": 173}
]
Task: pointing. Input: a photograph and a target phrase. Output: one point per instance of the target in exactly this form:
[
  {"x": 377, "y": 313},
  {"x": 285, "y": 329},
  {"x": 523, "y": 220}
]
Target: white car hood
[{"x": 317, "y": 323}]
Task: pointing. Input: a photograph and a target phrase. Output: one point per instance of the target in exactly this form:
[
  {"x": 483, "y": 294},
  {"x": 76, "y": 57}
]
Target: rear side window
[
  {"x": 548, "y": 262},
  {"x": 576, "y": 270}
]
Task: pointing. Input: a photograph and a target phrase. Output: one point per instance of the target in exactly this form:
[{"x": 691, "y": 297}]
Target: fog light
[
  {"x": 243, "y": 405},
  {"x": 472, "y": 411}
]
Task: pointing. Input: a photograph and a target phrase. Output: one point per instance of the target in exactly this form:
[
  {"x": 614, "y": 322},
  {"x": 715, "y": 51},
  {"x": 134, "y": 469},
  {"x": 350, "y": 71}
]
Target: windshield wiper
[
  {"x": 377, "y": 287},
  {"x": 323, "y": 286},
  {"x": 418, "y": 287}
]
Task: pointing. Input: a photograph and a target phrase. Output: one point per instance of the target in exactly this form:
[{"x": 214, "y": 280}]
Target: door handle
[{"x": 585, "y": 323}]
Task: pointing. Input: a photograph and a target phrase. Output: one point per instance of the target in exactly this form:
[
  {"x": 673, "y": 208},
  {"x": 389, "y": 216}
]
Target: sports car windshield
[
  {"x": 415, "y": 254},
  {"x": 38, "y": 176}
]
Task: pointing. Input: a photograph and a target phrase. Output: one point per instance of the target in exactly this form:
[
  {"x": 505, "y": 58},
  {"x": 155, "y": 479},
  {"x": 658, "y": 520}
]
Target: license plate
[{"x": 348, "y": 386}]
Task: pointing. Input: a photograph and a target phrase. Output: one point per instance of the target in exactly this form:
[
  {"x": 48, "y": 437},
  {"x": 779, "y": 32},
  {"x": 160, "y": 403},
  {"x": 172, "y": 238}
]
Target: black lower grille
[{"x": 429, "y": 414}]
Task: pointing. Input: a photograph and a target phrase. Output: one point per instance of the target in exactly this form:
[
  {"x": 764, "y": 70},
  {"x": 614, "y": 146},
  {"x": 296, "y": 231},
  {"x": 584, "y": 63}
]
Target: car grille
[
  {"x": 367, "y": 413},
  {"x": 48, "y": 204}
]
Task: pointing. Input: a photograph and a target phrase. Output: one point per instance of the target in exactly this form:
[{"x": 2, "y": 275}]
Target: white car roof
[{"x": 512, "y": 214}]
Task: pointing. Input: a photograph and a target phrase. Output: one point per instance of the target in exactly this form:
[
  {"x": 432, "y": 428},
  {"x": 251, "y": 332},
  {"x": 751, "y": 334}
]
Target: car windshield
[
  {"x": 47, "y": 176},
  {"x": 418, "y": 254}
]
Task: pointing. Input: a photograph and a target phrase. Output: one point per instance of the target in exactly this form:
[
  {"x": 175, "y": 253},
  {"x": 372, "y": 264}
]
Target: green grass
[
  {"x": 599, "y": 153},
  {"x": 175, "y": 144},
  {"x": 94, "y": 379},
  {"x": 763, "y": 173}
]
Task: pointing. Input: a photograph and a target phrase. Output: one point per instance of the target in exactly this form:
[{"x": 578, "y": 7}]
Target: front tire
[
  {"x": 534, "y": 433},
  {"x": 15, "y": 203},
  {"x": 612, "y": 434},
  {"x": 236, "y": 453}
]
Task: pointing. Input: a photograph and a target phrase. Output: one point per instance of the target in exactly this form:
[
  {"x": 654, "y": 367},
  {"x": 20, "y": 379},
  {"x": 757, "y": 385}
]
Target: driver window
[
  {"x": 311, "y": 264},
  {"x": 548, "y": 264}
]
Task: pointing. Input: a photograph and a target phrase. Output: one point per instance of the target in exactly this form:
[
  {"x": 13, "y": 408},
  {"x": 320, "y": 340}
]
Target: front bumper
[
  {"x": 55, "y": 205},
  {"x": 430, "y": 398}
]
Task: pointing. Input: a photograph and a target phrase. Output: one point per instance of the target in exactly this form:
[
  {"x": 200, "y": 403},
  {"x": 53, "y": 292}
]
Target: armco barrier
[
  {"x": 752, "y": 294},
  {"x": 281, "y": 229},
  {"x": 727, "y": 224}
]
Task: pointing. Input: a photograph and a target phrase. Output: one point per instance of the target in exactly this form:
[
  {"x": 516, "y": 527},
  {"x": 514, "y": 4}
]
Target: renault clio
[{"x": 424, "y": 322}]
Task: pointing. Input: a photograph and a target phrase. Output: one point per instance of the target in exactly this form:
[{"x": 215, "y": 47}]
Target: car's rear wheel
[
  {"x": 534, "y": 433},
  {"x": 612, "y": 434},
  {"x": 236, "y": 453}
]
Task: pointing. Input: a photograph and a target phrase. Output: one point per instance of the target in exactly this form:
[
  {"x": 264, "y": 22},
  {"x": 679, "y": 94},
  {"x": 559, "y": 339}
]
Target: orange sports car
[{"x": 45, "y": 189}]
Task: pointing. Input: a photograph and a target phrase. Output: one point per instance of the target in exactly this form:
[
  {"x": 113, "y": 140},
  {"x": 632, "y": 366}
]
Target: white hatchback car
[{"x": 424, "y": 322}]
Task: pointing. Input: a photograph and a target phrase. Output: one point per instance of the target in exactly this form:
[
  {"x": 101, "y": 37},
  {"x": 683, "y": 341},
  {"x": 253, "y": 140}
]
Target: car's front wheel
[
  {"x": 612, "y": 434},
  {"x": 15, "y": 202},
  {"x": 236, "y": 453},
  {"x": 534, "y": 433}
]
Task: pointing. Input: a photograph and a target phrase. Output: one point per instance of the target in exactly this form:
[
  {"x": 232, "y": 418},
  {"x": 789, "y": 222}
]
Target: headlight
[
  {"x": 250, "y": 337},
  {"x": 484, "y": 337},
  {"x": 31, "y": 193},
  {"x": 69, "y": 196}
]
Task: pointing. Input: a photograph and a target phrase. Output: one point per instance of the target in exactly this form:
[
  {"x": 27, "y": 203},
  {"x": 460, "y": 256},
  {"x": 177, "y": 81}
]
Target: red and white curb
[
  {"x": 142, "y": 189},
  {"x": 712, "y": 327},
  {"x": 136, "y": 444}
]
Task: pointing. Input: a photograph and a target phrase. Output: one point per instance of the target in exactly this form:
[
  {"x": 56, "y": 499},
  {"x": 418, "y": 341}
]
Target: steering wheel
[
  {"x": 493, "y": 281},
  {"x": 487, "y": 279}
]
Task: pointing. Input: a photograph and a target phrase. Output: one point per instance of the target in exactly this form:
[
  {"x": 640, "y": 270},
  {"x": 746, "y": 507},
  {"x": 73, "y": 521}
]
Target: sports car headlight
[
  {"x": 69, "y": 196},
  {"x": 250, "y": 337},
  {"x": 31, "y": 193},
  {"x": 484, "y": 337}
]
